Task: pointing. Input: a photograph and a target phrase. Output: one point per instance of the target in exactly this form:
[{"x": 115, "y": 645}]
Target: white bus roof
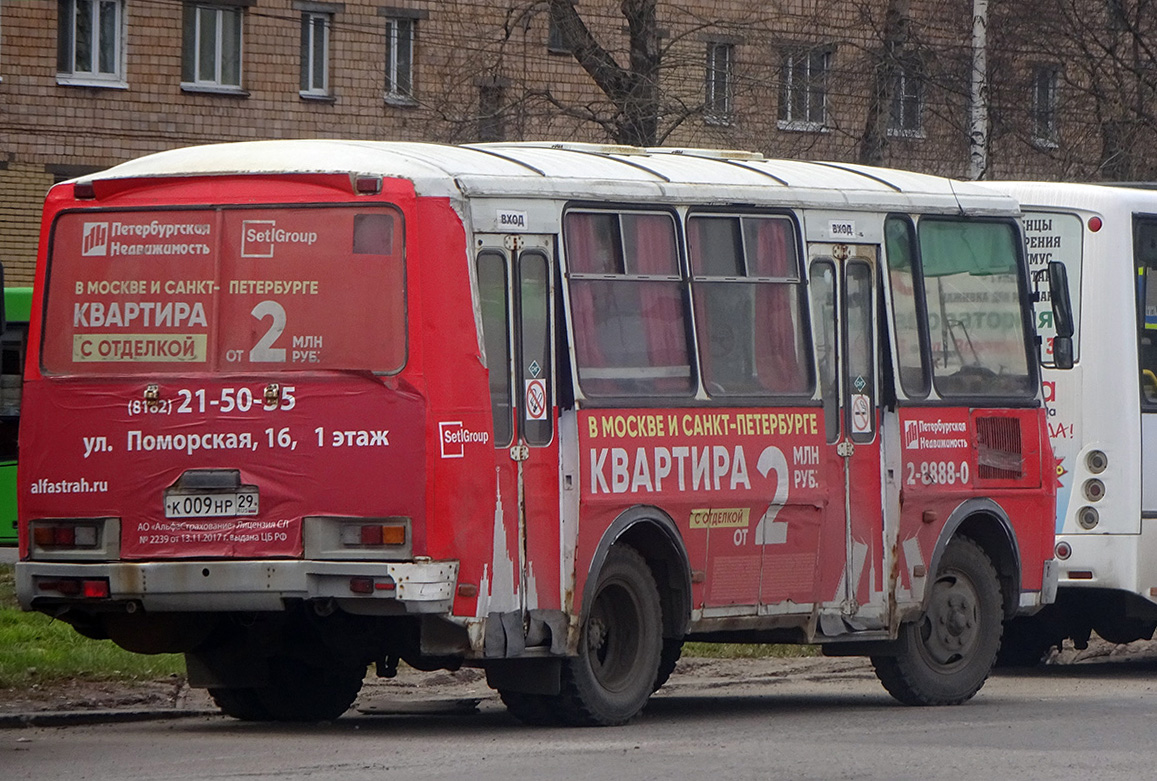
[
  {"x": 1091, "y": 197},
  {"x": 575, "y": 171}
]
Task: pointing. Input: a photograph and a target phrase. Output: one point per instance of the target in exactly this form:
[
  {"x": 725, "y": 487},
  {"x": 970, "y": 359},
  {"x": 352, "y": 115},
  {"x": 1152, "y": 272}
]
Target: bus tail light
[
  {"x": 362, "y": 584},
  {"x": 56, "y": 536},
  {"x": 89, "y": 588},
  {"x": 1097, "y": 461},
  {"x": 1088, "y": 517},
  {"x": 374, "y": 535},
  {"x": 1094, "y": 490},
  {"x": 1063, "y": 550},
  {"x": 366, "y": 184}
]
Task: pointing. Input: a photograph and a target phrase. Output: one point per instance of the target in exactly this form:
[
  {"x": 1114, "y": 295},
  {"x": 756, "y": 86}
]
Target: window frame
[
  {"x": 191, "y": 77},
  {"x": 310, "y": 22},
  {"x": 491, "y": 110},
  {"x": 625, "y": 273},
  {"x": 1043, "y": 106},
  {"x": 919, "y": 309},
  {"x": 719, "y": 83},
  {"x": 700, "y": 280},
  {"x": 907, "y": 102},
  {"x": 812, "y": 82},
  {"x": 394, "y": 95},
  {"x": 66, "y": 44},
  {"x": 941, "y": 378}
]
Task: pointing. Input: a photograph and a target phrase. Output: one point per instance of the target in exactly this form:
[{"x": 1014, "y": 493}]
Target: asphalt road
[
  {"x": 7, "y": 554},
  {"x": 795, "y": 719}
]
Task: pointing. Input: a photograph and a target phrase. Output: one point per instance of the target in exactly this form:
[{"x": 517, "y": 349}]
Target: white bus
[{"x": 1102, "y": 413}]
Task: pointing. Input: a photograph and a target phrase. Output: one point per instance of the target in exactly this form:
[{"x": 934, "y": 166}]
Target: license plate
[{"x": 211, "y": 504}]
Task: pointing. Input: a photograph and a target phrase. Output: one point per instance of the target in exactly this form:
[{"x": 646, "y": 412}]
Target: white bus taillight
[
  {"x": 1097, "y": 461},
  {"x": 1094, "y": 490}
]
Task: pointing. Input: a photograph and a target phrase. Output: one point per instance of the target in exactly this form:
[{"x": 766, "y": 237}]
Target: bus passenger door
[
  {"x": 516, "y": 283},
  {"x": 851, "y": 577}
]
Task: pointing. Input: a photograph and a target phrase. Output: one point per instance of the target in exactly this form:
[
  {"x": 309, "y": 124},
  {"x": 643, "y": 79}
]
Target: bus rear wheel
[
  {"x": 945, "y": 657},
  {"x": 300, "y": 692},
  {"x": 615, "y": 671},
  {"x": 244, "y": 704}
]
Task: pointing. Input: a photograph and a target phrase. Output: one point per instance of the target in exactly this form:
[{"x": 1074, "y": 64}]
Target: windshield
[
  {"x": 973, "y": 290},
  {"x": 226, "y": 289}
]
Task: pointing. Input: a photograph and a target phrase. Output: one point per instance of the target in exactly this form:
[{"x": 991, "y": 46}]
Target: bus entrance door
[
  {"x": 851, "y": 576},
  {"x": 516, "y": 288}
]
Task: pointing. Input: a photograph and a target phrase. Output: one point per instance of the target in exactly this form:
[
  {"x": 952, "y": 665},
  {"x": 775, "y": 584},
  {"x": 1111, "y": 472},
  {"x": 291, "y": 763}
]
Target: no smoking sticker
[
  {"x": 536, "y": 399},
  {"x": 861, "y": 414}
]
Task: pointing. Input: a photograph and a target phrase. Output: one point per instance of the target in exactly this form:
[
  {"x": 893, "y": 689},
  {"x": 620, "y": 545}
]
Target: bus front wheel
[
  {"x": 614, "y": 673},
  {"x": 945, "y": 656}
]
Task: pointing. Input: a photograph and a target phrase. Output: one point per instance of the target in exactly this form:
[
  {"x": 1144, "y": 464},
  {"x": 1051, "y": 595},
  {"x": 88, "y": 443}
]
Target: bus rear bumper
[{"x": 382, "y": 588}]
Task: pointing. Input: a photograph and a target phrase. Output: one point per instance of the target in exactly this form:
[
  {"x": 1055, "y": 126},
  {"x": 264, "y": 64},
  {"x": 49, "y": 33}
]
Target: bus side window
[
  {"x": 628, "y": 304},
  {"x": 534, "y": 359},
  {"x": 907, "y": 290},
  {"x": 1145, "y": 251},
  {"x": 748, "y": 305},
  {"x": 823, "y": 297},
  {"x": 494, "y": 298}
]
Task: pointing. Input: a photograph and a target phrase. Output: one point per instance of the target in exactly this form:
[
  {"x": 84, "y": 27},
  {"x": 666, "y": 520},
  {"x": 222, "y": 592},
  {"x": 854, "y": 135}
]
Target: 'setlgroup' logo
[
  {"x": 258, "y": 238},
  {"x": 453, "y": 437},
  {"x": 94, "y": 242}
]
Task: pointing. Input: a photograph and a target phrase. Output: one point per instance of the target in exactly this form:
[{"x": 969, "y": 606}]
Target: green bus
[{"x": 17, "y": 305}]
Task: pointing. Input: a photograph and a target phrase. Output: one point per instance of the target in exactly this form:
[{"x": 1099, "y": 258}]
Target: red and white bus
[{"x": 299, "y": 407}]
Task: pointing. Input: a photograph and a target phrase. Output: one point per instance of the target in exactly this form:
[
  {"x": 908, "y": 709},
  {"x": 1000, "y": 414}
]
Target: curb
[{"x": 76, "y": 718}]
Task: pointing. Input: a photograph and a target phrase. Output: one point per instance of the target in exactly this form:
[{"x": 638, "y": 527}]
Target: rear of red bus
[{"x": 224, "y": 443}]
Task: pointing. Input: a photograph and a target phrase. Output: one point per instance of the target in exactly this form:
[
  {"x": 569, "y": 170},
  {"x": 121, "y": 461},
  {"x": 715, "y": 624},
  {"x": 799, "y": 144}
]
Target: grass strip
[{"x": 35, "y": 649}]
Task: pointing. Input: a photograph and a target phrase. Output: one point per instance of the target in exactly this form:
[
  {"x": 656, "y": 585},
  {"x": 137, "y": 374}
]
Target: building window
[
  {"x": 315, "y": 54},
  {"x": 1044, "y": 106},
  {"x": 400, "y": 34},
  {"x": 717, "y": 101},
  {"x": 491, "y": 97},
  {"x": 212, "y": 48},
  {"x": 90, "y": 42},
  {"x": 906, "y": 115},
  {"x": 555, "y": 43},
  {"x": 804, "y": 89}
]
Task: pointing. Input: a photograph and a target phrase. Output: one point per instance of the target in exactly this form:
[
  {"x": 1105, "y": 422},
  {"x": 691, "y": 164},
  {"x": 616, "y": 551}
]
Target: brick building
[{"x": 90, "y": 83}]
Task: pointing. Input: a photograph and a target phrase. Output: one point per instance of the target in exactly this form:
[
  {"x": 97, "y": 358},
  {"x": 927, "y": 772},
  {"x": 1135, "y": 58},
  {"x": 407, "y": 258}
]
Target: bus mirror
[
  {"x": 1059, "y": 295},
  {"x": 1063, "y": 352},
  {"x": 1062, "y": 315}
]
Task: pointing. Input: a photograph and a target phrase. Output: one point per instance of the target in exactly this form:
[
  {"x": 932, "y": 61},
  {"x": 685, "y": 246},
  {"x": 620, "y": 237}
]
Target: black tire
[
  {"x": 945, "y": 656},
  {"x": 299, "y": 692},
  {"x": 243, "y": 704},
  {"x": 611, "y": 679},
  {"x": 668, "y": 658},
  {"x": 536, "y": 710},
  {"x": 1024, "y": 644}
]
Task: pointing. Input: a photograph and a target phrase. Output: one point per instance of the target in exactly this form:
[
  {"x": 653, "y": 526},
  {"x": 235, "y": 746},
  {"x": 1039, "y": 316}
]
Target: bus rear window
[{"x": 229, "y": 289}]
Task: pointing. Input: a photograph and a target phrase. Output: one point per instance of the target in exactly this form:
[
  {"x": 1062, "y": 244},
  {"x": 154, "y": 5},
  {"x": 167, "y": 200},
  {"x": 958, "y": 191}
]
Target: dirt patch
[{"x": 80, "y": 694}]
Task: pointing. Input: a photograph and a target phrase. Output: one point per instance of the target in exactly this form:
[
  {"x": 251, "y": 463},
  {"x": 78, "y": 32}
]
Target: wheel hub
[{"x": 952, "y": 623}]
